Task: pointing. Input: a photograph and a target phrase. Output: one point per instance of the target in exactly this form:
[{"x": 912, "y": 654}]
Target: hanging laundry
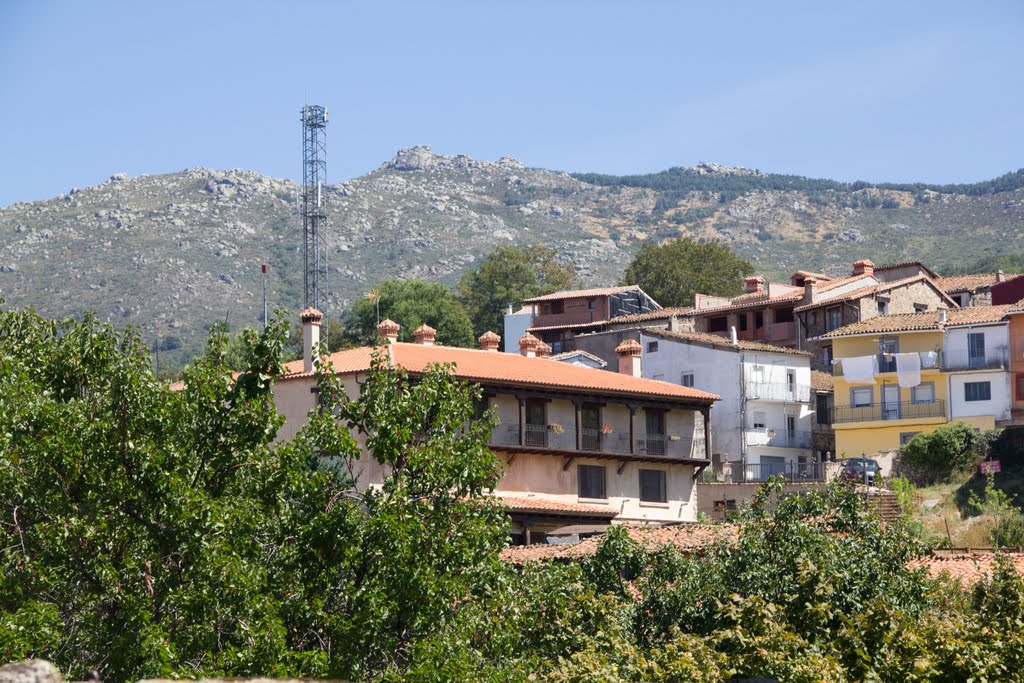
[
  {"x": 929, "y": 359},
  {"x": 860, "y": 369},
  {"x": 908, "y": 369}
]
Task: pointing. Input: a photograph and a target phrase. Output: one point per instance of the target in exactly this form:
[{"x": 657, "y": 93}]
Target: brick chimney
[
  {"x": 543, "y": 350},
  {"x": 489, "y": 341},
  {"x": 863, "y": 267},
  {"x": 809, "y": 296},
  {"x": 755, "y": 283},
  {"x": 388, "y": 329},
  {"x": 629, "y": 353},
  {"x": 528, "y": 345},
  {"x": 310, "y": 319},
  {"x": 425, "y": 335}
]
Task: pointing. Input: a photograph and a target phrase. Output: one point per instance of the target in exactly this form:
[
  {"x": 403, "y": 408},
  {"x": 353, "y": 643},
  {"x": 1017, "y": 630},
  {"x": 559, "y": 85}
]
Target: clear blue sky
[{"x": 896, "y": 91}]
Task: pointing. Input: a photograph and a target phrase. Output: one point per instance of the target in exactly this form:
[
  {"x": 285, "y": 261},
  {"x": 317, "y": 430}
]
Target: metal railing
[
  {"x": 778, "y": 391},
  {"x": 930, "y": 360},
  {"x": 592, "y": 441},
  {"x": 962, "y": 359},
  {"x": 904, "y": 410},
  {"x": 792, "y": 472},
  {"x": 778, "y": 438}
]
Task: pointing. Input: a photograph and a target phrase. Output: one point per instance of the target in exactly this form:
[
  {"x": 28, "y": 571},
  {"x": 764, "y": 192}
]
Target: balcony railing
[
  {"x": 593, "y": 441},
  {"x": 781, "y": 332},
  {"x": 779, "y": 391},
  {"x": 930, "y": 360},
  {"x": 962, "y": 359},
  {"x": 791, "y": 472},
  {"x": 778, "y": 438},
  {"x": 905, "y": 410}
]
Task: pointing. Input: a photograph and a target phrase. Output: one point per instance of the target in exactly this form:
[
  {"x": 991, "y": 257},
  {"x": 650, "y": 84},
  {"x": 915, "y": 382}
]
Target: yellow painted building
[{"x": 869, "y": 418}]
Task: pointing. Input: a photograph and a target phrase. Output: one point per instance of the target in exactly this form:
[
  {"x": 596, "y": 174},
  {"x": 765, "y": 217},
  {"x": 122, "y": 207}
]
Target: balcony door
[
  {"x": 655, "y": 420},
  {"x": 790, "y": 385},
  {"x": 976, "y": 349},
  {"x": 890, "y": 402},
  {"x": 536, "y": 423},
  {"x": 590, "y": 417}
]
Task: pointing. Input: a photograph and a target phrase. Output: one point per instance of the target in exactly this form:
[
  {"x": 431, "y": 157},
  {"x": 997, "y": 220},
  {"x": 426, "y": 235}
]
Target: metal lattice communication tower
[{"x": 314, "y": 209}]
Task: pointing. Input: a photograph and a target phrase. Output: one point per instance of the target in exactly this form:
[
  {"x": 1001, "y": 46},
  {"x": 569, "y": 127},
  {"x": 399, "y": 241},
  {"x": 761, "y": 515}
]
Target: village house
[
  {"x": 974, "y": 289},
  {"x": 961, "y": 373},
  {"x": 581, "y": 446}
]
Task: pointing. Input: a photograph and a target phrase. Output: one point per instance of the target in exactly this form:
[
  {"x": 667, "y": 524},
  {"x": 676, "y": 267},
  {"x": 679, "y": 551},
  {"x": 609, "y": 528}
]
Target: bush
[{"x": 950, "y": 449}]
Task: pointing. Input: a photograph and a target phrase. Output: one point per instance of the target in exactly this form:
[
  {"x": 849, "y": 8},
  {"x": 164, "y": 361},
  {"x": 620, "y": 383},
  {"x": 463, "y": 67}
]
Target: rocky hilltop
[{"x": 174, "y": 253}]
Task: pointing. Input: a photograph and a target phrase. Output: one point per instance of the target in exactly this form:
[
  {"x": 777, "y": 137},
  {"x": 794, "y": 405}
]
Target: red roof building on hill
[{"x": 581, "y": 445}]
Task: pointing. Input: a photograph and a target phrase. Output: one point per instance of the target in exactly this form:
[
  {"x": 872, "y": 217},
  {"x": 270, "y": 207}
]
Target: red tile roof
[
  {"x": 582, "y": 293},
  {"x": 968, "y": 283},
  {"x": 929, "y": 320},
  {"x": 893, "y": 266},
  {"x": 568, "y": 326},
  {"x": 555, "y": 507},
  {"x": 686, "y": 537},
  {"x": 870, "y": 290},
  {"x": 821, "y": 381},
  {"x": 506, "y": 368},
  {"x": 723, "y": 342},
  {"x": 660, "y": 314},
  {"x": 964, "y": 566}
]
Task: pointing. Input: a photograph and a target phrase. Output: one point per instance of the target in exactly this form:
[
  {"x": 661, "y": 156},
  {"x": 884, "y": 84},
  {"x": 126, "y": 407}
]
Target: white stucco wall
[
  {"x": 999, "y": 405},
  {"x": 997, "y": 337},
  {"x": 516, "y": 325}
]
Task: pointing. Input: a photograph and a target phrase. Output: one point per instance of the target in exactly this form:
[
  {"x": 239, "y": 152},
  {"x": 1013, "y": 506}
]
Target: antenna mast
[{"x": 314, "y": 210}]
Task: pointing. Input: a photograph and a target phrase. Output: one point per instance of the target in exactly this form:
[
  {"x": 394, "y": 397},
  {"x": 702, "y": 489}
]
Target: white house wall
[{"x": 998, "y": 406}]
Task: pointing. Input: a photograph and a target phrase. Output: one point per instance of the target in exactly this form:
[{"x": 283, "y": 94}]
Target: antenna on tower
[{"x": 314, "y": 211}]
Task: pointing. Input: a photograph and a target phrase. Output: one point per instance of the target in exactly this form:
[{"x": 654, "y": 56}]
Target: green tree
[
  {"x": 410, "y": 303},
  {"x": 507, "y": 276},
  {"x": 673, "y": 272}
]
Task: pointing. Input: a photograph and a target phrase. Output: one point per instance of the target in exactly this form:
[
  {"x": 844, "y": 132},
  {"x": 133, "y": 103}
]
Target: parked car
[{"x": 861, "y": 471}]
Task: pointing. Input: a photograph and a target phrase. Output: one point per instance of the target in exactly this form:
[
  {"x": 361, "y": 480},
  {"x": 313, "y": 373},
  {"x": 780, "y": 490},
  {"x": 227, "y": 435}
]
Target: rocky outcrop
[{"x": 31, "y": 671}]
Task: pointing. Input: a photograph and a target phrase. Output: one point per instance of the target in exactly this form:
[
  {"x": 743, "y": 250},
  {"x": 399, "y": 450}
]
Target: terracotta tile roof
[
  {"x": 724, "y": 342},
  {"x": 555, "y": 507},
  {"x": 821, "y": 381},
  {"x": 660, "y": 314},
  {"x": 568, "y": 326},
  {"x": 963, "y": 566},
  {"x": 512, "y": 369},
  {"x": 870, "y": 290},
  {"x": 929, "y": 320},
  {"x": 686, "y": 537},
  {"x": 762, "y": 299},
  {"x": 820, "y": 277},
  {"x": 968, "y": 283},
  {"x": 582, "y": 293},
  {"x": 893, "y": 266}
]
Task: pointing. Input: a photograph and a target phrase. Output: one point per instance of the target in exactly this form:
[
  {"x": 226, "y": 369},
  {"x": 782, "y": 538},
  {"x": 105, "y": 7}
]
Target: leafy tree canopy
[
  {"x": 673, "y": 272},
  {"x": 410, "y": 303},
  {"x": 507, "y": 276}
]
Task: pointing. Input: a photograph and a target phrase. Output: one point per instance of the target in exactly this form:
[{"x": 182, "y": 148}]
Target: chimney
[
  {"x": 310, "y": 319},
  {"x": 863, "y": 267},
  {"x": 808, "y": 291},
  {"x": 543, "y": 350},
  {"x": 755, "y": 283},
  {"x": 388, "y": 329},
  {"x": 1000, "y": 276},
  {"x": 489, "y": 341},
  {"x": 629, "y": 358},
  {"x": 425, "y": 335},
  {"x": 528, "y": 345},
  {"x": 733, "y": 338},
  {"x": 942, "y": 315}
]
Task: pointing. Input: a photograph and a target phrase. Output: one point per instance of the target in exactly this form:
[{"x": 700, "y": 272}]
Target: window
[
  {"x": 743, "y": 322},
  {"x": 978, "y": 391},
  {"x": 719, "y": 324},
  {"x": 760, "y": 419},
  {"x": 861, "y": 397},
  {"x": 591, "y": 304},
  {"x": 976, "y": 349},
  {"x": 758, "y": 320},
  {"x": 652, "y": 347},
  {"x": 687, "y": 378},
  {"x": 965, "y": 299},
  {"x": 1020, "y": 387},
  {"x": 923, "y": 393},
  {"x": 828, "y": 357},
  {"x": 920, "y": 308},
  {"x": 833, "y": 318},
  {"x": 783, "y": 315},
  {"x": 887, "y": 347},
  {"x": 883, "y": 308},
  {"x": 591, "y": 481},
  {"x": 652, "y": 486},
  {"x": 655, "y": 421},
  {"x": 906, "y": 437}
]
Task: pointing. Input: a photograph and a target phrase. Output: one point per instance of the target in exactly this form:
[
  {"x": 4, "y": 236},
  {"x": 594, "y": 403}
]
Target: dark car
[{"x": 861, "y": 471}]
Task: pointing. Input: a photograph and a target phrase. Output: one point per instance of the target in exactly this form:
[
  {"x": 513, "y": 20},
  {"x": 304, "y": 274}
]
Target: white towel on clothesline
[
  {"x": 860, "y": 369},
  {"x": 908, "y": 369}
]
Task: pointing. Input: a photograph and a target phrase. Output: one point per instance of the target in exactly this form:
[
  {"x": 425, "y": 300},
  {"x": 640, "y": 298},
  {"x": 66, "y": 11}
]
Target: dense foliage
[
  {"x": 673, "y": 272},
  {"x": 409, "y": 303},
  {"x": 146, "y": 532},
  {"x": 950, "y": 449},
  {"x": 508, "y": 275}
]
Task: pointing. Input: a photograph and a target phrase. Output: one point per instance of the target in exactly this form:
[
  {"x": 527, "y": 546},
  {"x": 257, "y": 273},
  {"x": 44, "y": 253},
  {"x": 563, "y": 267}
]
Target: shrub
[{"x": 949, "y": 449}]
